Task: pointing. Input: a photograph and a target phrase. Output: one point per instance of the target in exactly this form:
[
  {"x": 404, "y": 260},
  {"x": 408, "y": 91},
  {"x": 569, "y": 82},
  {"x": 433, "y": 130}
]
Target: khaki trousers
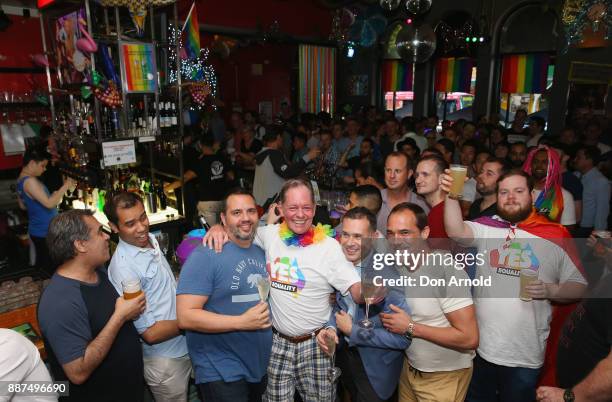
[
  {"x": 168, "y": 378},
  {"x": 441, "y": 386}
]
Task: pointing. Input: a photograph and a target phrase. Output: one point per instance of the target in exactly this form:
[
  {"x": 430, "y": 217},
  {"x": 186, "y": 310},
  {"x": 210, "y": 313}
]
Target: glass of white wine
[
  {"x": 263, "y": 286},
  {"x": 334, "y": 372}
]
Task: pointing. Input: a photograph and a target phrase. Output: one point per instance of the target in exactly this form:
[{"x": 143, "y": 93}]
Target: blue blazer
[{"x": 382, "y": 353}]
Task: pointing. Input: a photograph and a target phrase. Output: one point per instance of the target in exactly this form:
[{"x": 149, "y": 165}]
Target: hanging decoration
[
  {"x": 454, "y": 74},
  {"x": 390, "y": 46},
  {"x": 524, "y": 73},
  {"x": 418, "y": 7},
  {"x": 86, "y": 44},
  {"x": 137, "y": 9},
  {"x": 396, "y": 76},
  {"x": 317, "y": 78},
  {"x": 194, "y": 70},
  {"x": 587, "y": 16},
  {"x": 103, "y": 89},
  {"x": 416, "y": 44},
  {"x": 368, "y": 25}
]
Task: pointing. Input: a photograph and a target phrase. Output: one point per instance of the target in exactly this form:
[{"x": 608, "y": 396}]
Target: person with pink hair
[{"x": 550, "y": 199}]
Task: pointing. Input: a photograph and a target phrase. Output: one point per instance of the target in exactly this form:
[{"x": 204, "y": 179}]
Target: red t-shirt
[{"x": 438, "y": 239}]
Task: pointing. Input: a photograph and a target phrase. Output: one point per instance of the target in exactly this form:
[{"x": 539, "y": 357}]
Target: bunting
[
  {"x": 396, "y": 76},
  {"x": 524, "y": 73},
  {"x": 454, "y": 74}
]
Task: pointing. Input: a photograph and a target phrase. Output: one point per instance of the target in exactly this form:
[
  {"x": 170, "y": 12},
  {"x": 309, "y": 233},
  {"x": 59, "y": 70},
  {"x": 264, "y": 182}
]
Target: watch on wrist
[
  {"x": 410, "y": 332},
  {"x": 568, "y": 395}
]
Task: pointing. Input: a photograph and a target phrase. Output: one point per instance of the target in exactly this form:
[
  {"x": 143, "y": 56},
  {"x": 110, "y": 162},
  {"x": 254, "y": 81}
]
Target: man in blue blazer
[{"x": 370, "y": 360}]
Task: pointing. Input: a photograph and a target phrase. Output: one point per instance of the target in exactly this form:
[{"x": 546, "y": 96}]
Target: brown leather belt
[{"x": 300, "y": 338}]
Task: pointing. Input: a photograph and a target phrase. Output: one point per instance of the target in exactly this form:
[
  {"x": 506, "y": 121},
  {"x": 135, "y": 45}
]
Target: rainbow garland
[{"x": 313, "y": 235}]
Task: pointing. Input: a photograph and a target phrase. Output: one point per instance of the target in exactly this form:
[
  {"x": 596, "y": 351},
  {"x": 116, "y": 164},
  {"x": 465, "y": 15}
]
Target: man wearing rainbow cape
[{"x": 514, "y": 332}]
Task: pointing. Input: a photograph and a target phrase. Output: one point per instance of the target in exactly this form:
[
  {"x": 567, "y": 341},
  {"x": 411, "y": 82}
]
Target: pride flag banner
[
  {"x": 139, "y": 70},
  {"x": 524, "y": 73},
  {"x": 454, "y": 74},
  {"x": 317, "y": 78},
  {"x": 192, "y": 33},
  {"x": 396, "y": 76}
]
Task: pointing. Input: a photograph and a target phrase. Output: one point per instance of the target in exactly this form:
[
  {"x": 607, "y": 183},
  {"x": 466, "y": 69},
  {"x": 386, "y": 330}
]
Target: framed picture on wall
[{"x": 71, "y": 62}]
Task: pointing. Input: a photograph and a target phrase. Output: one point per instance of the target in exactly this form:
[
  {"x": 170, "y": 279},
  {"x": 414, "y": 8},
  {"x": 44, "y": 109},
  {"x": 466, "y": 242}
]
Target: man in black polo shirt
[{"x": 86, "y": 326}]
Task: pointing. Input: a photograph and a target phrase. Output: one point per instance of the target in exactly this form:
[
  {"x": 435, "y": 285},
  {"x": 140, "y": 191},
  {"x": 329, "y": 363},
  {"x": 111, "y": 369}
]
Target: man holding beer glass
[
  {"x": 87, "y": 327},
  {"x": 513, "y": 330},
  {"x": 138, "y": 266}
]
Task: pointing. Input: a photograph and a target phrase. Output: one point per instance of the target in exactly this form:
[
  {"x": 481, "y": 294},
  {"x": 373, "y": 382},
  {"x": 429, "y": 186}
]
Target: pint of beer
[
  {"x": 131, "y": 288},
  {"x": 458, "y": 173},
  {"x": 527, "y": 276}
]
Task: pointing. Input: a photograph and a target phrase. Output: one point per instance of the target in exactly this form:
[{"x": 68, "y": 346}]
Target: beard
[
  {"x": 514, "y": 217},
  {"x": 235, "y": 230}
]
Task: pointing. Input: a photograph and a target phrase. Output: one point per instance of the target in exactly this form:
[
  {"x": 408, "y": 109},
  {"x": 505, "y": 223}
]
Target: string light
[{"x": 192, "y": 69}]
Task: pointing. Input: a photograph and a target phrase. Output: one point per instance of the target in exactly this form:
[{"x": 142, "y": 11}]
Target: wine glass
[
  {"x": 370, "y": 293},
  {"x": 163, "y": 241},
  {"x": 333, "y": 374},
  {"x": 263, "y": 286}
]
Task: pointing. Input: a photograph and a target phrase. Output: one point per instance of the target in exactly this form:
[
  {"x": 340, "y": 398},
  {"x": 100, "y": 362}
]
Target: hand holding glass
[
  {"x": 334, "y": 372},
  {"x": 131, "y": 288},
  {"x": 263, "y": 286}
]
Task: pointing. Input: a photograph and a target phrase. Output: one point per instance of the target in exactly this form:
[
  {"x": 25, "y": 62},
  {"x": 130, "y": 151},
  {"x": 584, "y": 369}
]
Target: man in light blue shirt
[
  {"x": 595, "y": 193},
  {"x": 167, "y": 367}
]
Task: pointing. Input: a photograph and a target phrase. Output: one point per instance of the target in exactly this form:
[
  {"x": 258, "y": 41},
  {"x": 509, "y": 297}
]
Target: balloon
[
  {"x": 416, "y": 44},
  {"x": 418, "y": 6},
  {"x": 86, "y": 44},
  {"x": 389, "y": 5}
]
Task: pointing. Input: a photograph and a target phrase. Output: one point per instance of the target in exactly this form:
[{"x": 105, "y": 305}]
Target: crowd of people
[{"x": 526, "y": 196}]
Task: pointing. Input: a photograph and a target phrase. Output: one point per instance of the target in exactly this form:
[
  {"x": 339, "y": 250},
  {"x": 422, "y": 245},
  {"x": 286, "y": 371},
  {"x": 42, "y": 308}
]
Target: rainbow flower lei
[{"x": 313, "y": 235}]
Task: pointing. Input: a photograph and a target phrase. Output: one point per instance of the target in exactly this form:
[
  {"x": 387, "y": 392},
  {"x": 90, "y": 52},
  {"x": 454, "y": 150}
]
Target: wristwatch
[
  {"x": 568, "y": 395},
  {"x": 410, "y": 332}
]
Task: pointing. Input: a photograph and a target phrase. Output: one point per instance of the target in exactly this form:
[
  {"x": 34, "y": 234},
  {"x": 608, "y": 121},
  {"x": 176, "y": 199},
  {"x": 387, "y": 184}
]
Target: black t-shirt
[
  {"x": 71, "y": 314},
  {"x": 586, "y": 337},
  {"x": 476, "y": 213},
  {"x": 211, "y": 171}
]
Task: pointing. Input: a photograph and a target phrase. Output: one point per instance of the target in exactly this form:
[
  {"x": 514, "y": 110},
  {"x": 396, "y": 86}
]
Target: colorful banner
[
  {"x": 524, "y": 73},
  {"x": 317, "y": 76},
  {"x": 139, "y": 71},
  {"x": 192, "y": 33},
  {"x": 396, "y": 76},
  {"x": 454, "y": 74}
]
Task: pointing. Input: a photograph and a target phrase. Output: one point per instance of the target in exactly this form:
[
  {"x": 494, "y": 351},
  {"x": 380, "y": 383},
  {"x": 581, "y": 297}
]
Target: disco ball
[
  {"x": 416, "y": 44},
  {"x": 389, "y": 5},
  {"x": 418, "y": 6}
]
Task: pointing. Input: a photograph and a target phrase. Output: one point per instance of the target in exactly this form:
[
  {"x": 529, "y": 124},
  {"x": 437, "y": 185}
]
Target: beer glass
[
  {"x": 527, "y": 277},
  {"x": 458, "y": 173},
  {"x": 131, "y": 288}
]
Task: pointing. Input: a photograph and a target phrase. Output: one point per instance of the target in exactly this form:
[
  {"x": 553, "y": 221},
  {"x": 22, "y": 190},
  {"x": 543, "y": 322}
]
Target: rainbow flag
[
  {"x": 454, "y": 74},
  {"x": 192, "y": 33},
  {"x": 524, "y": 73},
  {"x": 396, "y": 76}
]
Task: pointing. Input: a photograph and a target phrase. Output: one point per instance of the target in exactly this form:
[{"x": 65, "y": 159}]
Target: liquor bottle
[
  {"x": 163, "y": 200},
  {"x": 203, "y": 223},
  {"x": 141, "y": 116}
]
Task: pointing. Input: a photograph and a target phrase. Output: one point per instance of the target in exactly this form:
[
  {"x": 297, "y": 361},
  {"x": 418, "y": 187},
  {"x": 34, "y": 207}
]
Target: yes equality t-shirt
[{"x": 229, "y": 279}]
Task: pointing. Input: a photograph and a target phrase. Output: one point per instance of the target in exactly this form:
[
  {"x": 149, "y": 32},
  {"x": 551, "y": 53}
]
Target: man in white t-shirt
[
  {"x": 305, "y": 265},
  {"x": 545, "y": 167},
  {"x": 442, "y": 322},
  {"x": 513, "y": 332}
]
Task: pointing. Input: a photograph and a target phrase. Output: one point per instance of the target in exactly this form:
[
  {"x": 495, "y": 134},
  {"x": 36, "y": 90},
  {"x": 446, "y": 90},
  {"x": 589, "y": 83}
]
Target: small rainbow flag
[
  {"x": 192, "y": 28},
  {"x": 524, "y": 73},
  {"x": 396, "y": 76},
  {"x": 454, "y": 74}
]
